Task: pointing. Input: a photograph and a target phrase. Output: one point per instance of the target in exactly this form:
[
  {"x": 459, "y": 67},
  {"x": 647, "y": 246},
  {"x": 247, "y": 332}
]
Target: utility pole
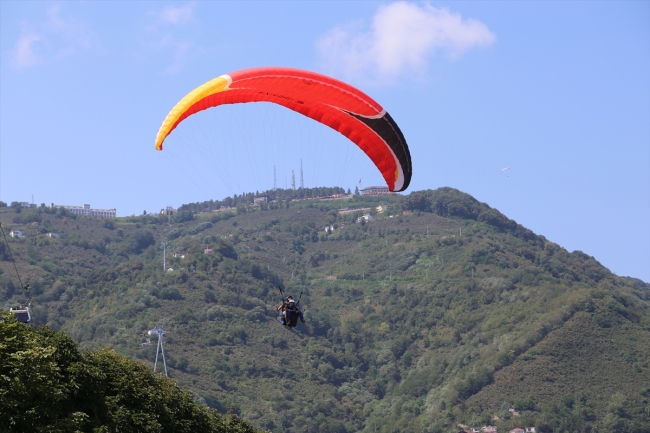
[
  {"x": 158, "y": 330},
  {"x": 302, "y": 179},
  {"x": 164, "y": 244},
  {"x": 169, "y": 215}
]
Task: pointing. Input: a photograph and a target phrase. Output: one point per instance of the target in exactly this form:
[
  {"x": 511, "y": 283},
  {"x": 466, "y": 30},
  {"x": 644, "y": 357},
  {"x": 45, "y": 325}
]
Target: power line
[{"x": 21, "y": 313}]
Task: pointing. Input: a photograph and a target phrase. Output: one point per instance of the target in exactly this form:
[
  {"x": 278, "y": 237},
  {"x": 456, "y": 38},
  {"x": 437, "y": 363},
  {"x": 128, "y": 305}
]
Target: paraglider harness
[
  {"x": 289, "y": 319},
  {"x": 22, "y": 313}
]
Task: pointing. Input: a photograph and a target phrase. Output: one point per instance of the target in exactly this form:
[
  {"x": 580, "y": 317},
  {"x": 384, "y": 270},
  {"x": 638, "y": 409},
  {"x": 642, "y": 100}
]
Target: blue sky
[{"x": 557, "y": 91}]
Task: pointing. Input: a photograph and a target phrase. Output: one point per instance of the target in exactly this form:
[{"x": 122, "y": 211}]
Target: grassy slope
[{"x": 441, "y": 328}]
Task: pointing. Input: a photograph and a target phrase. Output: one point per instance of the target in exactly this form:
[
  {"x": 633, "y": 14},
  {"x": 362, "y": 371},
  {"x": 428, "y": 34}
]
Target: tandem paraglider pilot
[{"x": 290, "y": 312}]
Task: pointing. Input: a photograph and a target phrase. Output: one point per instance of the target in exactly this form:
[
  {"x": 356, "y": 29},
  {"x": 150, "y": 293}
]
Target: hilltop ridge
[{"x": 436, "y": 311}]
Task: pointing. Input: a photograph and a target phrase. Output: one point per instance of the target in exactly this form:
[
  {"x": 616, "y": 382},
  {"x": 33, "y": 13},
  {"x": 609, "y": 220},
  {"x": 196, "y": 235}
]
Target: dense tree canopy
[{"x": 48, "y": 385}]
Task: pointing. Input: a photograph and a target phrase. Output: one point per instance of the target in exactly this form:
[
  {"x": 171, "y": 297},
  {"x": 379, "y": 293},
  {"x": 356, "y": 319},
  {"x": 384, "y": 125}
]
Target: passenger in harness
[{"x": 290, "y": 312}]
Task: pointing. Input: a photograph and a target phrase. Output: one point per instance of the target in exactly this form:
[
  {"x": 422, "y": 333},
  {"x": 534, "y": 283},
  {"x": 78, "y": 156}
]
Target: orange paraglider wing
[{"x": 329, "y": 101}]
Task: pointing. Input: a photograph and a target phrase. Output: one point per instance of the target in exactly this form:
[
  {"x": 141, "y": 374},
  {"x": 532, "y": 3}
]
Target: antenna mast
[
  {"x": 275, "y": 179},
  {"x": 302, "y": 179},
  {"x": 293, "y": 179}
]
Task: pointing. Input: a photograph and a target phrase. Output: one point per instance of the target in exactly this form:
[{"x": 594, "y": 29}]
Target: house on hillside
[
  {"x": 517, "y": 430},
  {"x": 489, "y": 429},
  {"x": 366, "y": 217},
  {"x": 179, "y": 255},
  {"x": 16, "y": 234},
  {"x": 87, "y": 210},
  {"x": 259, "y": 200},
  {"x": 530, "y": 429},
  {"x": 208, "y": 251},
  {"x": 52, "y": 235},
  {"x": 376, "y": 190}
]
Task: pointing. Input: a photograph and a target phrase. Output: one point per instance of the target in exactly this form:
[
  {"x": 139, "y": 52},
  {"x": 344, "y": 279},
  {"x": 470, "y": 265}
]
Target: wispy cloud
[
  {"x": 24, "y": 55},
  {"x": 402, "y": 39},
  {"x": 177, "y": 15},
  {"x": 163, "y": 35},
  {"x": 52, "y": 39}
]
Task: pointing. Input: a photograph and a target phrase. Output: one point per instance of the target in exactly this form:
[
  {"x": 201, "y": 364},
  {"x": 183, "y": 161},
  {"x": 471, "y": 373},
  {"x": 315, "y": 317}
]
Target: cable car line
[{"x": 21, "y": 312}]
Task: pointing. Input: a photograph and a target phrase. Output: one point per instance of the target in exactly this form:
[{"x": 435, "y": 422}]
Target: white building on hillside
[
  {"x": 259, "y": 200},
  {"x": 16, "y": 234},
  {"x": 376, "y": 190},
  {"x": 86, "y": 210},
  {"x": 366, "y": 217}
]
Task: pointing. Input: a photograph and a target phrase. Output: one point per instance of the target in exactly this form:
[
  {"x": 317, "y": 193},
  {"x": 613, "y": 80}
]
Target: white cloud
[
  {"x": 51, "y": 39},
  {"x": 402, "y": 39},
  {"x": 177, "y": 15},
  {"x": 24, "y": 55}
]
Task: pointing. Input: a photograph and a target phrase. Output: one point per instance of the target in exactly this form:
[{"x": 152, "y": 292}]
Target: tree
[
  {"x": 47, "y": 384},
  {"x": 356, "y": 190}
]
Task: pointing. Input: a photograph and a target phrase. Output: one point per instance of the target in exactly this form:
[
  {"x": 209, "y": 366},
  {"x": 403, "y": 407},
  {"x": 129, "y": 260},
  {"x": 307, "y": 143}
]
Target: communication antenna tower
[
  {"x": 302, "y": 179},
  {"x": 293, "y": 179},
  {"x": 275, "y": 179},
  {"x": 158, "y": 330}
]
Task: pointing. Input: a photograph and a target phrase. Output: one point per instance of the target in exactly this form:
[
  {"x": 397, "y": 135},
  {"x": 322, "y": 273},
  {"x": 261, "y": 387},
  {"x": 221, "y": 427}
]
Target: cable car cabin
[{"x": 23, "y": 314}]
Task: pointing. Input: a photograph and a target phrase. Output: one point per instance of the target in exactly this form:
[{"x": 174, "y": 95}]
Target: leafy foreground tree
[{"x": 48, "y": 385}]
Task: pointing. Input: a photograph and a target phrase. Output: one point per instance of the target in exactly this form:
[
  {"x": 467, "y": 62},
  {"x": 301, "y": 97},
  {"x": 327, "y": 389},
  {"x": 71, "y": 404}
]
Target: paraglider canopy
[{"x": 327, "y": 100}]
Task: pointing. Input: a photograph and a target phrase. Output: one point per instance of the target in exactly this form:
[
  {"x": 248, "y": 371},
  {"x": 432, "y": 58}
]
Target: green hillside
[
  {"x": 47, "y": 385},
  {"x": 439, "y": 311}
]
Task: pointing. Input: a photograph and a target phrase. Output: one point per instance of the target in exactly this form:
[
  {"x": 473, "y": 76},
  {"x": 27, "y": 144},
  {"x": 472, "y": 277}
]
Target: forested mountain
[{"x": 436, "y": 311}]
